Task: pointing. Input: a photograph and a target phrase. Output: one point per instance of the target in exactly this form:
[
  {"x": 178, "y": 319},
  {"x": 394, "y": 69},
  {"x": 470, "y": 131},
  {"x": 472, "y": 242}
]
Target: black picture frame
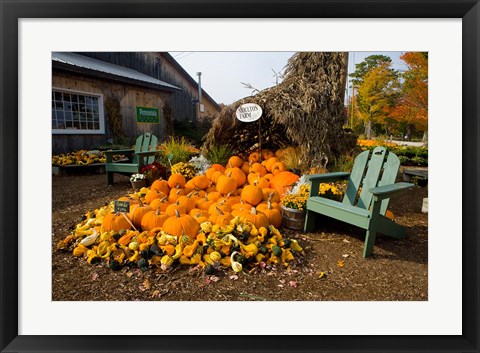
[{"x": 11, "y": 11}]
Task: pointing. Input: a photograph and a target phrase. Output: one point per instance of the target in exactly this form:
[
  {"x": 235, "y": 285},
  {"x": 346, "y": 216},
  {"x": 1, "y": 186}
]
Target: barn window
[{"x": 76, "y": 112}]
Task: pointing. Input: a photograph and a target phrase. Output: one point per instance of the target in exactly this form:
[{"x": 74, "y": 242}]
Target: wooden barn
[{"x": 99, "y": 98}]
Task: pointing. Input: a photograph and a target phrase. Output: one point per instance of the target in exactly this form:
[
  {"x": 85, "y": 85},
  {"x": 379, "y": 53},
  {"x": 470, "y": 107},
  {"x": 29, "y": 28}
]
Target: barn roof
[{"x": 76, "y": 62}]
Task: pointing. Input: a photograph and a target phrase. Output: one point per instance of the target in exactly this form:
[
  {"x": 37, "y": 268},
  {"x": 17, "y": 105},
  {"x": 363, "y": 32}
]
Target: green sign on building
[{"x": 148, "y": 115}]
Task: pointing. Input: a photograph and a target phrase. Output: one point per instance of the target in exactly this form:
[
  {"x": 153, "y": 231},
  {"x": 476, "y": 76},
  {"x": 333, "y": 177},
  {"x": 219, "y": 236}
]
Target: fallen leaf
[
  {"x": 129, "y": 274},
  {"x": 95, "y": 276},
  {"x": 233, "y": 277},
  {"x": 340, "y": 263},
  {"x": 345, "y": 256},
  {"x": 214, "y": 278},
  {"x": 322, "y": 275},
  {"x": 280, "y": 285},
  {"x": 147, "y": 284},
  {"x": 155, "y": 293},
  {"x": 293, "y": 284}
]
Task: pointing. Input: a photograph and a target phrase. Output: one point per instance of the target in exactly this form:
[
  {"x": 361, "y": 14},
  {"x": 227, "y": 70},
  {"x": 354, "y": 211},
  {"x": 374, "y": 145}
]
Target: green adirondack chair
[
  {"x": 143, "y": 153},
  {"x": 375, "y": 173}
]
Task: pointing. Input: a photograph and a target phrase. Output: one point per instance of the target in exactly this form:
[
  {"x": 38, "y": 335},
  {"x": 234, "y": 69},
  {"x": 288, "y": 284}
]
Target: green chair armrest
[
  {"x": 112, "y": 152},
  {"x": 316, "y": 179},
  {"x": 386, "y": 191},
  {"x": 146, "y": 153},
  {"x": 328, "y": 177}
]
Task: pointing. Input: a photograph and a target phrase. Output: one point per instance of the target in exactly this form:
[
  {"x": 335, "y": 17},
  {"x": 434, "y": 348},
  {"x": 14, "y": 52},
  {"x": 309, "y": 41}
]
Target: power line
[{"x": 190, "y": 53}]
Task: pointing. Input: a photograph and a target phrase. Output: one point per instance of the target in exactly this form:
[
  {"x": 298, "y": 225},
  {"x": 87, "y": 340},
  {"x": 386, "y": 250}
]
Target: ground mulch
[{"x": 331, "y": 267}]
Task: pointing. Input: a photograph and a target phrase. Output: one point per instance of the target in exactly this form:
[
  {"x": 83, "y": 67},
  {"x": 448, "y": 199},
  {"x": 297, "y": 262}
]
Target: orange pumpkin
[
  {"x": 257, "y": 218},
  {"x": 222, "y": 206},
  {"x": 200, "y": 182},
  {"x": 229, "y": 199},
  {"x": 219, "y": 217},
  {"x": 270, "y": 162},
  {"x": 237, "y": 174},
  {"x": 153, "y": 219},
  {"x": 216, "y": 175},
  {"x": 197, "y": 211},
  {"x": 115, "y": 221},
  {"x": 245, "y": 168},
  {"x": 226, "y": 184},
  {"x": 188, "y": 201},
  {"x": 153, "y": 194},
  {"x": 160, "y": 204},
  {"x": 252, "y": 194},
  {"x": 283, "y": 181},
  {"x": 179, "y": 225},
  {"x": 266, "y": 154},
  {"x": 137, "y": 212},
  {"x": 234, "y": 161},
  {"x": 200, "y": 216},
  {"x": 175, "y": 194},
  {"x": 258, "y": 169},
  {"x": 270, "y": 194},
  {"x": 273, "y": 214},
  {"x": 254, "y": 157},
  {"x": 262, "y": 183},
  {"x": 204, "y": 203},
  {"x": 278, "y": 167},
  {"x": 160, "y": 185},
  {"x": 173, "y": 208},
  {"x": 176, "y": 179},
  {"x": 218, "y": 167},
  {"x": 214, "y": 196}
]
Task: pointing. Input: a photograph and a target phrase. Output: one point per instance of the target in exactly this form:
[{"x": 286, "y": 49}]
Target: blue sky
[{"x": 223, "y": 72}]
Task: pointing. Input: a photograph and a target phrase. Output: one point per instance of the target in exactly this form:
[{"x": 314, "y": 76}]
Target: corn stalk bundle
[{"x": 305, "y": 110}]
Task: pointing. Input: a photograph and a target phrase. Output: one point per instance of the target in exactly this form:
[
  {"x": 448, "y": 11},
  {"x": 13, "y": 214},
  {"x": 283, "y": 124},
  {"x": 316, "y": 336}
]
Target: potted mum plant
[{"x": 138, "y": 181}]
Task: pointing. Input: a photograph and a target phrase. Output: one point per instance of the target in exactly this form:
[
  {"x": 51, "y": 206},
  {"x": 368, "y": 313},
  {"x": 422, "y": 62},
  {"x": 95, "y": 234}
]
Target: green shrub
[
  {"x": 179, "y": 148},
  {"x": 218, "y": 154}
]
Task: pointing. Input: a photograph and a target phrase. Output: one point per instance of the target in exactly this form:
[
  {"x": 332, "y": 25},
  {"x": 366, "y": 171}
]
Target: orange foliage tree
[{"x": 411, "y": 108}]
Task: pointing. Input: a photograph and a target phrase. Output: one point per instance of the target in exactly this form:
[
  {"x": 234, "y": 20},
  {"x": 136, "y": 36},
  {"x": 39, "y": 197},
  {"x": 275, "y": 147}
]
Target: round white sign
[{"x": 249, "y": 112}]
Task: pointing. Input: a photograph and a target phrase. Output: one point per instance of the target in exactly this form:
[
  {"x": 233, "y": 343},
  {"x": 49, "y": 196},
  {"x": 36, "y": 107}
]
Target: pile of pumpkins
[{"x": 227, "y": 217}]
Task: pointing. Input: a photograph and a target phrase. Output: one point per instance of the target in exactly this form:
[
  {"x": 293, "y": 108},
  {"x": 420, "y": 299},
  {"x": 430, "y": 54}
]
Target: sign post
[{"x": 250, "y": 112}]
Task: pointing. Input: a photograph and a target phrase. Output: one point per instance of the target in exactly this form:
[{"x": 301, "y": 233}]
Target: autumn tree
[
  {"x": 368, "y": 64},
  {"x": 411, "y": 108},
  {"x": 376, "y": 96}
]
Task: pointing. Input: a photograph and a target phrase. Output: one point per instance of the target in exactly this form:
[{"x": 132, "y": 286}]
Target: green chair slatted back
[
  {"x": 371, "y": 169},
  {"x": 145, "y": 142}
]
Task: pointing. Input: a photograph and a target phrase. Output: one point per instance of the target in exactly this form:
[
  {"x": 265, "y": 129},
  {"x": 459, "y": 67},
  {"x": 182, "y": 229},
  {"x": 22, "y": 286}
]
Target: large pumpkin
[
  {"x": 252, "y": 194},
  {"x": 179, "y": 225},
  {"x": 219, "y": 217},
  {"x": 153, "y": 219},
  {"x": 283, "y": 181},
  {"x": 115, "y": 221}
]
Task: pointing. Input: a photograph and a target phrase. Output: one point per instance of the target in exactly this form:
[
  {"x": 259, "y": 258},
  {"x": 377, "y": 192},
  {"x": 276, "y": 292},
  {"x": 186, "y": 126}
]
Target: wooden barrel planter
[{"x": 293, "y": 219}]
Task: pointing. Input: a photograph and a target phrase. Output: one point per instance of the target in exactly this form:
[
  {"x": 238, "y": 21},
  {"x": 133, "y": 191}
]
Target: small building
[{"x": 99, "y": 98}]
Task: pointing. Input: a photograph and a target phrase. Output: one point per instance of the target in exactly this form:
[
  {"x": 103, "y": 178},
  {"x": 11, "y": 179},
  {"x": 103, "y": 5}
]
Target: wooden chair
[
  {"x": 143, "y": 153},
  {"x": 370, "y": 185}
]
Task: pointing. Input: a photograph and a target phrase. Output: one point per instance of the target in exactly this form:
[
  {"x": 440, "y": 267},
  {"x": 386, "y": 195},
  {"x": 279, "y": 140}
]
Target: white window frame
[{"x": 101, "y": 115}]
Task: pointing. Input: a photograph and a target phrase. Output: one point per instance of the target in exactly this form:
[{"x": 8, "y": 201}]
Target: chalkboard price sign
[{"x": 121, "y": 206}]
